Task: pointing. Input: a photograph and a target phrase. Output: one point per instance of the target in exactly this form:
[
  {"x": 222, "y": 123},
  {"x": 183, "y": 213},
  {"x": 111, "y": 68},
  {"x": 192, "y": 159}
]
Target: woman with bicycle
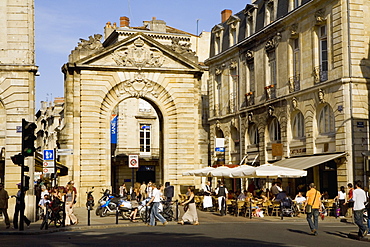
[{"x": 70, "y": 197}]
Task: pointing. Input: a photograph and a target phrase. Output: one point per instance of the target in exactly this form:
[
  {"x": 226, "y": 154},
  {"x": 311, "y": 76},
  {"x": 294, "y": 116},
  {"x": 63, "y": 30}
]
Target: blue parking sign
[{"x": 48, "y": 154}]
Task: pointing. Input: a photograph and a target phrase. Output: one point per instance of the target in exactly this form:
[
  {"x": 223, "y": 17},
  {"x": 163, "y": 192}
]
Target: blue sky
[{"x": 60, "y": 24}]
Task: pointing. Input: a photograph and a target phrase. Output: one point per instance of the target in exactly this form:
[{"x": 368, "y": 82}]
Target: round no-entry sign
[{"x": 133, "y": 161}]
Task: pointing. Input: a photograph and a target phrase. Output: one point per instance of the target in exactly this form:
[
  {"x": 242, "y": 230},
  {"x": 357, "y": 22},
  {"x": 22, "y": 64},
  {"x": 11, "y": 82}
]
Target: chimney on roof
[
  {"x": 225, "y": 14},
  {"x": 157, "y": 25},
  {"x": 124, "y": 21}
]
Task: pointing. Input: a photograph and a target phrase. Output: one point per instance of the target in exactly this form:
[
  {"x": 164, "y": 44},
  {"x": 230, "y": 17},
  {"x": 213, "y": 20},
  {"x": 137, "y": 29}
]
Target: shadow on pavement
[{"x": 299, "y": 231}]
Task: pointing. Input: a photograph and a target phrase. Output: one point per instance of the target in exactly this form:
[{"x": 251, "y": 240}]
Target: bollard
[
  {"x": 64, "y": 212},
  {"x": 281, "y": 210},
  {"x": 88, "y": 215},
  {"x": 250, "y": 209},
  {"x": 177, "y": 210},
  {"x": 117, "y": 215}
]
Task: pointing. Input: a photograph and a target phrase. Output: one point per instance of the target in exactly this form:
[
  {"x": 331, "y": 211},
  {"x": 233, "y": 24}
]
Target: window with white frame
[
  {"x": 145, "y": 138},
  {"x": 274, "y": 130},
  {"x": 323, "y": 46},
  {"x": 253, "y": 134},
  {"x": 298, "y": 128},
  {"x": 326, "y": 120}
]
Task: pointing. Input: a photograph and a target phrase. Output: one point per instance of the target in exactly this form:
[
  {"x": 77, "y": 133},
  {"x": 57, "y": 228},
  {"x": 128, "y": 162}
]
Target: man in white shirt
[
  {"x": 359, "y": 198},
  {"x": 156, "y": 199},
  {"x": 221, "y": 192}
]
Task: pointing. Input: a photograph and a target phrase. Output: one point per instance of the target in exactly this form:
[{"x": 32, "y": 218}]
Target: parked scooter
[{"x": 102, "y": 201}]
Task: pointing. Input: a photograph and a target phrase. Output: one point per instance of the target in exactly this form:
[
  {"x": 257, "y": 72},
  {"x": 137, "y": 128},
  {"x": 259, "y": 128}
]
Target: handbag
[{"x": 308, "y": 208}]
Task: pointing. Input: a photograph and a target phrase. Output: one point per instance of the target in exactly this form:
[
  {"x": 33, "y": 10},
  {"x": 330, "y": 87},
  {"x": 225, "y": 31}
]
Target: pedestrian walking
[
  {"x": 359, "y": 199},
  {"x": 4, "y": 197},
  {"x": 19, "y": 204},
  {"x": 70, "y": 197},
  {"x": 143, "y": 190},
  {"x": 156, "y": 200},
  {"x": 341, "y": 199},
  {"x": 221, "y": 192},
  {"x": 312, "y": 206},
  {"x": 191, "y": 214}
]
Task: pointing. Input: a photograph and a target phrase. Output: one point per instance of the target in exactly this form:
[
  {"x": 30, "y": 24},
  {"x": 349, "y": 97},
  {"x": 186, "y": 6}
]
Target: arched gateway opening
[{"x": 136, "y": 129}]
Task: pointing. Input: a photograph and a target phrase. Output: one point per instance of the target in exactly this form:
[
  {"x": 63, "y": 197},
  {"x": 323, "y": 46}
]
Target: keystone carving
[
  {"x": 320, "y": 17},
  {"x": 273, "y": 42},
  {"x": 139, "y": 87}
]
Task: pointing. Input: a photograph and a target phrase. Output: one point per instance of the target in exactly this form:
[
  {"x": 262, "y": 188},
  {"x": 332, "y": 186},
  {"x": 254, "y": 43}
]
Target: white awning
[{"x": 308, "y": 161}]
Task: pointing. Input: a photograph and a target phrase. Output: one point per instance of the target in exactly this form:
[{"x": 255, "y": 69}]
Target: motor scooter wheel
[
  {"x": 103, "y": 212},
  {"x": 97, "y": 211}
]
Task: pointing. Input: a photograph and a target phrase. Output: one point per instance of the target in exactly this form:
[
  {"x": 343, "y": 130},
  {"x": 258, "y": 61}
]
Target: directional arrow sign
[{"x": 64, "y": 151}]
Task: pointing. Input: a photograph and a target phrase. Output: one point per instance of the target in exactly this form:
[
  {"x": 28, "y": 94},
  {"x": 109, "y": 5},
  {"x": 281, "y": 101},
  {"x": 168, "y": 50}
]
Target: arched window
[
  {"x": 298, "y": 126},
  {"x": 326, "y": 120},
  {"x": 274, "y": 130},
  {"x": 253, "y": 134}
]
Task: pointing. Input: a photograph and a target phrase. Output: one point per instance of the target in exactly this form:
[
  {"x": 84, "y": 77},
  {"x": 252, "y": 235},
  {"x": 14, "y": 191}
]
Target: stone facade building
[
  {"x": 289, "y": 84},
  {"x": 17, "y": 84},
  {"x": 151, "y": 79}
]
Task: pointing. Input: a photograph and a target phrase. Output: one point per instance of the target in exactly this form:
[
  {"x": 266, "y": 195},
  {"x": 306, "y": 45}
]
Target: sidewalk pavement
[{"x": 97, "y": 222}]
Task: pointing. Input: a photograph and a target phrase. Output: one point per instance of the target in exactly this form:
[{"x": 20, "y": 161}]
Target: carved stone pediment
[
  {"x": 138, "y": 55},
  {"x": 217, "y": 29},
  {"x": 233, "y": 21}
]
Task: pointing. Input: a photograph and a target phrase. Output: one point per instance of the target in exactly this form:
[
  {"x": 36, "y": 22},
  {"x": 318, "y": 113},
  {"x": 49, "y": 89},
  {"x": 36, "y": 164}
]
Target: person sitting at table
[
  {"x": 242, "y": 196},
  {"x": 299, "y": 200}
]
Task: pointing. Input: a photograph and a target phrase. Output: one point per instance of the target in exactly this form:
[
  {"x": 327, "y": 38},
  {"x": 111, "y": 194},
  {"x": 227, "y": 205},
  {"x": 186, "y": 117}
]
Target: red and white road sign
[
  {"x": 48, "y": 170},
  {"x": 133, "y": 161}
]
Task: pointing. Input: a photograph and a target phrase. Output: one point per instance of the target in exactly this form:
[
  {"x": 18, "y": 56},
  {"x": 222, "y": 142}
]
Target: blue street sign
[
  {"x": 220, "y": 149},
  {"x": 49, "y": 154}
]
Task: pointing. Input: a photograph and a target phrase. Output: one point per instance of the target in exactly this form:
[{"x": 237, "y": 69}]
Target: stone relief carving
[
  {"x": 320, "y": 17},
  {"x": 181, "y": 48},
  {"x": 93, "y": 43},
  {"x": 321, "y": 96},
  {"x": 139, "y": 87},
  {"x": 218, "y": 71},
  {"x": 270, "y": 111},
  {"x": 233, "y": 64},
  {"x": 249, "y": 55},
  {"x": 294, "y": 103},
  {"x": 138, "y": 55},
  {"x": 293, "y": 31},
  {"x": 273, "y": 42}
]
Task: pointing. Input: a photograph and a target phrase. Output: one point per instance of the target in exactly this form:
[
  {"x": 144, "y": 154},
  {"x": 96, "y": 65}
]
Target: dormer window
[
  {"x": 233, "y": 23},
  {"x": 218, "y": 31},
  {"x": 249, "y": 13},
  {"x": 269, "y": 12}
]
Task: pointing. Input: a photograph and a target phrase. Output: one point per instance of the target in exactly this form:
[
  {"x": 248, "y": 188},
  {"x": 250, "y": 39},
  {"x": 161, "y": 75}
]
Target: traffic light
[
  {"x": 28, "y": 138},
  {"x": 18, "y": 159},
  {"x": 26, "y": 185}
]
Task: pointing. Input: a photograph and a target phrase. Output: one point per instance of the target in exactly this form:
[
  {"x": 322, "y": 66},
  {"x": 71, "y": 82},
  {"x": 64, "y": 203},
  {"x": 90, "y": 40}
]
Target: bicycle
[{"x": 54, "y": 214}]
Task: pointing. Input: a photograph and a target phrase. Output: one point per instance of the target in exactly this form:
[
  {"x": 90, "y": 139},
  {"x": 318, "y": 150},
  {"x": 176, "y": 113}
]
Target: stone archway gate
[{"x": 98, "y": 78}]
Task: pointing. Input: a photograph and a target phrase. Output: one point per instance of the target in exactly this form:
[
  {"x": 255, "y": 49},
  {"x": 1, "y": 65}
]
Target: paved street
[{"x": 213, "y": 231}]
